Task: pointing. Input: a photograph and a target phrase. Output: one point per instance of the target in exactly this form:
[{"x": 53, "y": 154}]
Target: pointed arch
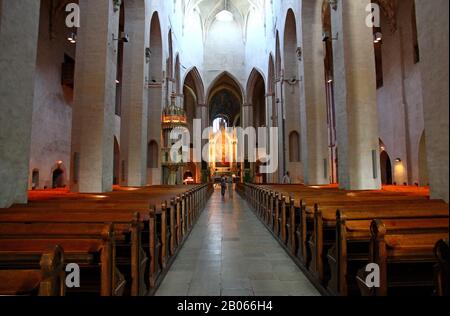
[
  {"x": 226, "y": 80},
  {"x": 253, "y": 78},
  {"x": 256, "y": 96},
  {"x": 198, "y": 86},
  {"x": 156, "y": 57},
  {"x": 290, "y": 46},
  {"x": 225, "y": 97}
]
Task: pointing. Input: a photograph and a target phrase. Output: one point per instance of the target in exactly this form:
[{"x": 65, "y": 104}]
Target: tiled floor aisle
[{"x": 231, "y": 253}]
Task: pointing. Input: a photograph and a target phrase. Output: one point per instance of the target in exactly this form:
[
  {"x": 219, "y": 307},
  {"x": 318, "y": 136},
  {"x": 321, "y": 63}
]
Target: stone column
[
  {"x": 270, "y": 102},
  {"x": 201, "y": 112},
  {"x": 19, "y": 25},
  {"x": 94, "y": 97},
  {"x": 134, "y": 127},
  {"x": 313, "y": 106},
  {"x": 355, "y": 96},
  {"x": 281, "y": 123},
  {"x": 432, "y": 27}
]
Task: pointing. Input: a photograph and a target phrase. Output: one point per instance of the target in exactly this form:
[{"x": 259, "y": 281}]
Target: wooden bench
[
  {"x": 405, "y": 260},
  {"x": 48, "y": 280},
  {"x": 131, "y": 258},
  {"x": 350, "y": 252},
  {"x": 324, "y": 235},
  {"x": 118, "y": 208},
  {"x": 91, "y": 246},
  {"x": 308, "y": 229},
  {"x": 441, "y": 269}
]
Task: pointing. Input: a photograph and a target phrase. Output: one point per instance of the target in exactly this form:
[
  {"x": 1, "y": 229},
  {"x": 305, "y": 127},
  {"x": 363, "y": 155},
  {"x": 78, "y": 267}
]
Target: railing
[{"x": 170, "y": 226}]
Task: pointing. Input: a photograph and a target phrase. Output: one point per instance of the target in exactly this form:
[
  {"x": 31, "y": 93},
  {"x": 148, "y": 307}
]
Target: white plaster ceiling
[{"x": 208, "y": 9}]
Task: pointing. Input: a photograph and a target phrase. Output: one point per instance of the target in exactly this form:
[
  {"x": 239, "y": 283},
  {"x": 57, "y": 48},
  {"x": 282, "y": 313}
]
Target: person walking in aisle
[
  {"x": 287, "y": 178},
  {"x": 223, "y": 186}
]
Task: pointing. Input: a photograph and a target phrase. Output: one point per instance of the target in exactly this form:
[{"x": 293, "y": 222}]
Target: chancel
[{"x": 122, "y": 122}]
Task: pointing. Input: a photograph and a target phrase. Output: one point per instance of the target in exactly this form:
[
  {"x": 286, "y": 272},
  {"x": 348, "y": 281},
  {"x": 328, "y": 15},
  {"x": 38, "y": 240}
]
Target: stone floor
[{"x": 231, "y": 253}]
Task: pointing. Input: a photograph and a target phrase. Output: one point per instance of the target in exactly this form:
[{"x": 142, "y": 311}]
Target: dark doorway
[
  {"x": 116, "y": 163},
  {"x": 58, "y": 179},
  {"x": 35, "y": 179},
  {"x": 386, "y": 169}
]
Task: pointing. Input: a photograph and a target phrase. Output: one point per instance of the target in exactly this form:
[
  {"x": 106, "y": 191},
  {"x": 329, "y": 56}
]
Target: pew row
[
  {"x": 91, "y": 247},
  {"x": 143, "y": 251},
  {"x": 310, "y": 232},
  {"x": 47, "y": 279},
  {"x": 405, "y": 260},
  {"x": 351, "y": 251}
]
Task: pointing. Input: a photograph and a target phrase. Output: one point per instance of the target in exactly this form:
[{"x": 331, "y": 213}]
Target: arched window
[
  {"x": 35, "y": 179},
  {"x": 153, "y": 155},
  {"x": 414, "y": 34},
  {"x": 423, "y": 163},
  {"x": 386, "y": 168},
  {"x": 294, "y": 147}
]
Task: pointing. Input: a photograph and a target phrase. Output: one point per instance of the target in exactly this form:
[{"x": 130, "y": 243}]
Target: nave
[{"x": 231, "y": 253}]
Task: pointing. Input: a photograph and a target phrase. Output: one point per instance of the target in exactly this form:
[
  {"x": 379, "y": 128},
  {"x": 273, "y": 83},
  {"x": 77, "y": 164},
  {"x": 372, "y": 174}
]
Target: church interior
[{"x": 353, "y": 94}]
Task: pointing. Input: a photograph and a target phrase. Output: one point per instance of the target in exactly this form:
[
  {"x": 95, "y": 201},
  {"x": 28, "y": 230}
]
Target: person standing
[
  {"x": 230, "y": 187},
  {"x": 287, "y": 178},
  {"x": 223, "y": 186}
]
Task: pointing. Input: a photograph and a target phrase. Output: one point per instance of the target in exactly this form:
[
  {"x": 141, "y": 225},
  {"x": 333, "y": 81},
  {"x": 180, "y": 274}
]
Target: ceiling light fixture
[{"x": 225, "y": 15}]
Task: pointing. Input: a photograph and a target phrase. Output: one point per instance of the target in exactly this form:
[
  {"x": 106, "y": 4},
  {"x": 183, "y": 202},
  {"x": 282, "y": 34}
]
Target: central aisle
[{"x": 231, "y": 253}]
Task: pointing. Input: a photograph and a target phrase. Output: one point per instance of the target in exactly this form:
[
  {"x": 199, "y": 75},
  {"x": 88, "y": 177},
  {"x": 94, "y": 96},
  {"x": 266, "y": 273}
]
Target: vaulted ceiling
[{"x": 208, "y": 9}]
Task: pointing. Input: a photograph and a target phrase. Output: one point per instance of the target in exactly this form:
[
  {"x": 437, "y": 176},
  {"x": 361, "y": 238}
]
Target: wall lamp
[
  {"x": 326, "y": 36},
  {"x": 72, "y": 38},
  {"x": 398, "y": 160},
  {"x": 377, "y": 37},
  {"x": 123, "y": 38}
]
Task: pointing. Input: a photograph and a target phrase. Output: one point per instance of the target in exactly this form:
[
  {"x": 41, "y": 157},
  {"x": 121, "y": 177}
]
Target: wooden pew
[
  {"x": 48, "y": 280},
  {"x": 323, "y": 235},
  {"x": 128, "y": 230},
  {"x": 406, "y": 261},
  {"x": 311, "y": 231},
  {"x": 118, "y": 210},
  {"x": 441, "y": 251},
  {"x": 350, "y": 252},
  {"x": 91, "y": 246}
]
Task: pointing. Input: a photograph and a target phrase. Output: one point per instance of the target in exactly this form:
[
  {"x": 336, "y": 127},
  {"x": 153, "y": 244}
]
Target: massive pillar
[
  {"x": 313, "y": 102},
  {"x": 134, "y": 127},
  {"x": 94, "y": 97},
  {"x": 281, "y": 123},
  {"x": 270, "y": 122},
  {"x": 19, "y": 24},
  {"x": 432, "y": 27},
  {"x": 355, "y": 96}
]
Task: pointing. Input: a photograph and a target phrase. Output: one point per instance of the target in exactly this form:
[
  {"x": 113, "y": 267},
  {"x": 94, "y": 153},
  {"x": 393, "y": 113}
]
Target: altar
[{"x": 223, "y": 152}]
